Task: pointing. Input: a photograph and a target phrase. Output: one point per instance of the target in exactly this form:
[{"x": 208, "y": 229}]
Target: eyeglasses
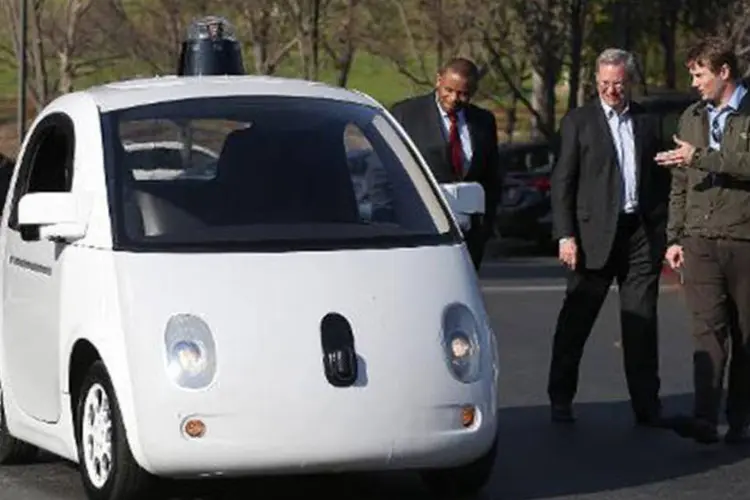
[{"x": 614, "y": 85}]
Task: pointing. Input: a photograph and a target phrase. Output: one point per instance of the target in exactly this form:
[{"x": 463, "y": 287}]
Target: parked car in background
[{"x": 524, "y": 211}]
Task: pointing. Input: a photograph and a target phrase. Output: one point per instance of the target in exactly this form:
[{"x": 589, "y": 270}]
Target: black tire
[
  {"x": 13, "y": 451},
  {"x": 466, "y": 481},
  {"x": 126, "y": 480}
]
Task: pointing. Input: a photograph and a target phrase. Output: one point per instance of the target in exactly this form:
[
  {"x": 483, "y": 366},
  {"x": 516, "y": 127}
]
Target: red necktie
[{"x": 454, "y": 143}]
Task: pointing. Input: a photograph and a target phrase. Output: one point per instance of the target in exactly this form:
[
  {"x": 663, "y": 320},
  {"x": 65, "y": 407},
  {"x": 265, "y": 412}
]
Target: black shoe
[
  {"x": 737, "y": 435},
  {"x": 562, "y": 413},
  {"x": 696, "y": 429},
  {"x": 654, "y": 421}
]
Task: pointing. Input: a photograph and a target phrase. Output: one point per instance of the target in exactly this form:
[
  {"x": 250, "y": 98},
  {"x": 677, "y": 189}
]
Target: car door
[{"x": 31, "y": 276}]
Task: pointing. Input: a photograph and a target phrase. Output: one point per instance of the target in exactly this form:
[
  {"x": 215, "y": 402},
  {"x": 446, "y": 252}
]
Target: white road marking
[
  {"x": 523, "y": 288},
  {"x": 523, "y": 262}
]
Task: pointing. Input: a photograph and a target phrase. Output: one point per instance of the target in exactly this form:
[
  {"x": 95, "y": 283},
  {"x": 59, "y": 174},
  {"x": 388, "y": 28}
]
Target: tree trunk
[
  {"x": 668, "y": 36},
  {"x": 315, "y": 39},
  {"x": 577, "y": 9},
  {"x": 537, "y": 102}
]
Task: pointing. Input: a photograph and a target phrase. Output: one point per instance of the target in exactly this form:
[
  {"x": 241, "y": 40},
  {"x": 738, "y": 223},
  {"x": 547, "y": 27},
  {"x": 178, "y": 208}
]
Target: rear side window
[{"x": 47, "y": 162}]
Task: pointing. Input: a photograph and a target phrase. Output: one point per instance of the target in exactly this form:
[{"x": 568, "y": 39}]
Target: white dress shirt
[{"x": 621, "y": 126}]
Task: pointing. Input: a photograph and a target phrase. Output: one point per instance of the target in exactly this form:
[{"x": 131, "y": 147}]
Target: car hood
[{"x": 265, "y": 313}]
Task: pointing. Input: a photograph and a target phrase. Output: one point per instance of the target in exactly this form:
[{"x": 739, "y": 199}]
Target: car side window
[
  {"x": 47, "y": 164},
  {"x": 372, "y": 184}
]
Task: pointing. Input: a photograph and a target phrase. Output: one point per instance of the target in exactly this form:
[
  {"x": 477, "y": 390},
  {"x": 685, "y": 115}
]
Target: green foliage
[{"x": 392, "y": 37}]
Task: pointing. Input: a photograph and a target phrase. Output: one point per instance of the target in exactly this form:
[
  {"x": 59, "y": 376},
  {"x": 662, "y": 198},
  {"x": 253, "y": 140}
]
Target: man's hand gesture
[{"x": 678, "y": 157}]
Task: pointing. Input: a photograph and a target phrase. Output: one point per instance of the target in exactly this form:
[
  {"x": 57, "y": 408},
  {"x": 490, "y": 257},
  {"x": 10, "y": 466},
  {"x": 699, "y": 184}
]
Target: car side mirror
[
  {"x": 465, "y": 199},
  {"x": 58, "y": 216}
]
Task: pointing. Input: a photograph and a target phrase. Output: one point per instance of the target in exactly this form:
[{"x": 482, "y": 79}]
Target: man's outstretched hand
[{"x": 678, "y": 157}]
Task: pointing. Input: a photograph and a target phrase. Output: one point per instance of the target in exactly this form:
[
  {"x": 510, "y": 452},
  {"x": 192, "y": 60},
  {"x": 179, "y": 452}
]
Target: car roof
[
  {"x": 136, "y": 92},
  {"x": 667, "y": 101},
  {"x": 526, "y": 146}
]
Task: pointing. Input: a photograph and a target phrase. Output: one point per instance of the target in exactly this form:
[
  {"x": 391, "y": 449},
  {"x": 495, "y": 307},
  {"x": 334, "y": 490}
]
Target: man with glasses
[
  {"x": 609, "y": 203},
  {"x": 709, "y": 238}
]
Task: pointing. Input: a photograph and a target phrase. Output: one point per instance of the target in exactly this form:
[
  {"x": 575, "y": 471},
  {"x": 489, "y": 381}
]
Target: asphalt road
[{"x": 602, "y": 457}]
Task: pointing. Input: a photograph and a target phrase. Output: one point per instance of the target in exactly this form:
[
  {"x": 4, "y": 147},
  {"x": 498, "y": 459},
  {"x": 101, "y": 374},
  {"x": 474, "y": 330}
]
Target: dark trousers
[
  {"x": 633, "y": 264},
  {"x": 717, "y": 291}
]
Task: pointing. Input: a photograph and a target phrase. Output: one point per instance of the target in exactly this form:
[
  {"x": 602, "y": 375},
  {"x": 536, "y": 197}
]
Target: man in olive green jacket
[{"x": 709, "y": 238}]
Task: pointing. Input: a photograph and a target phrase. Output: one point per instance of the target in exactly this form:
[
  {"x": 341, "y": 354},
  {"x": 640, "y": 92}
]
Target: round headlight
[
  {"x": 190, "y": 356},
  {"x": 190, "y": 351},
  {"x": 461, "y": 342},
  {"x": 460, "y": 346}
]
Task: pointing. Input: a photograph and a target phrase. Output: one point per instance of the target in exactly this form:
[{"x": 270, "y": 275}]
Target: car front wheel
[
  {"x": 12, "y": 450},
  {"x": 466, "y": 481},
  {"x": 107, "y": 466}
]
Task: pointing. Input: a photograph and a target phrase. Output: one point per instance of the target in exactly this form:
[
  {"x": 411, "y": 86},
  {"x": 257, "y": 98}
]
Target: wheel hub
[{"x": 96, "y": 436}]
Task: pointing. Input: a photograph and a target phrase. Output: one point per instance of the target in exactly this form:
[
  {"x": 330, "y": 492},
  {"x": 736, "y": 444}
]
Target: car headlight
[
  {"x": 190, "y": 351},
  {"x": 461, "y": 343}
]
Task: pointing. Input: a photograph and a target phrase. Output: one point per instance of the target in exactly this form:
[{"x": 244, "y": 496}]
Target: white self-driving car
[{"x": 287, "y": 290}]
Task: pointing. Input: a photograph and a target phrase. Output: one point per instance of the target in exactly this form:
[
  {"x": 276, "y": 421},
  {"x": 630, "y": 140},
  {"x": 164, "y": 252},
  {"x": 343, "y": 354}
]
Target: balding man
[
  {"x": 457, "y": 139},
  {"x": 609, "y": 205}
]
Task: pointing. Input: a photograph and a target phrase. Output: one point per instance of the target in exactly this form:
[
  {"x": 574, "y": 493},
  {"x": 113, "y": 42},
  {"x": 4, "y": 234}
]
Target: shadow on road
[{"x": 601, "y": 452}]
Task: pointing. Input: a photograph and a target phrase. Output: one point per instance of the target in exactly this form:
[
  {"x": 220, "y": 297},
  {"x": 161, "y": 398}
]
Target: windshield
[{"x": 266, "y": 173}]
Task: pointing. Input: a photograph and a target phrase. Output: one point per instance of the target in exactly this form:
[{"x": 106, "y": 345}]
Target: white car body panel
[{"x": 270, "y": 388}]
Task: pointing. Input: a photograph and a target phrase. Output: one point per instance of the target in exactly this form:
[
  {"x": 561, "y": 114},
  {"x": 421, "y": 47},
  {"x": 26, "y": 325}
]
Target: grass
[{"x": 370, "y": 74}]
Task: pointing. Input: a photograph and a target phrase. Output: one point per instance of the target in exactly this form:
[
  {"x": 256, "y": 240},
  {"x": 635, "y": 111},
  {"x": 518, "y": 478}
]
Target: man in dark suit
[
  {"x": 458, "y": 140},
  {"x": 609, "y": 202}
]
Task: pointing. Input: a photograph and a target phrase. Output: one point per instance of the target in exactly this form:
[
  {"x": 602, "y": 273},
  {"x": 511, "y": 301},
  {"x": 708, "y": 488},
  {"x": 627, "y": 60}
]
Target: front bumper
[{"x": 281, "y": 441}]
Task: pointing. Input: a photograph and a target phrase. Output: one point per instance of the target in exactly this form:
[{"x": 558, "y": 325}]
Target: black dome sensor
[{"x": 211, "y": 48}]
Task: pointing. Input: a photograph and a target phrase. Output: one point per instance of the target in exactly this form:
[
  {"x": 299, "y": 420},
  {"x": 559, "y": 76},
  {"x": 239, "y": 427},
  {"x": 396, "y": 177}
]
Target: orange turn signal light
[
  {"x": 468, "y": 415},
  {"x": 195, "y": 428}
]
